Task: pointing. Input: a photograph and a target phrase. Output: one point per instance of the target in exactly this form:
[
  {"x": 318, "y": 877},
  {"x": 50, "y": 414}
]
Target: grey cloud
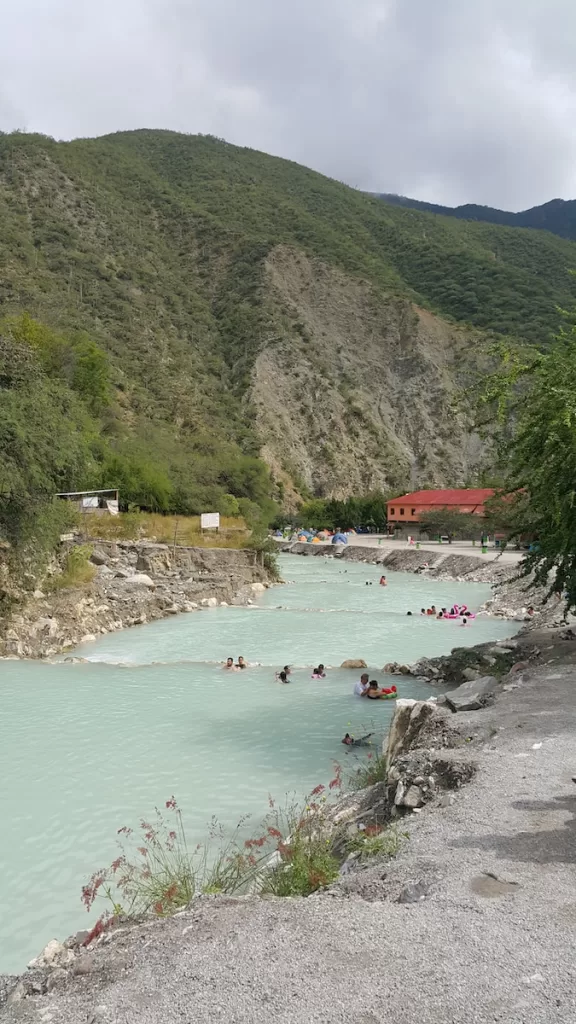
[{"x": 451, "y": 100}]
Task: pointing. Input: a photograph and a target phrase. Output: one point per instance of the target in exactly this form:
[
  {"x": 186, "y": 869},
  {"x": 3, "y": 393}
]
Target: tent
[{"x": 339, "y": 538}]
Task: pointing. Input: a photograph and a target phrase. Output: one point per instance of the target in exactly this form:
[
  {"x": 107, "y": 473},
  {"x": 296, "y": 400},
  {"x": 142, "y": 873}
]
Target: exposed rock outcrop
[
  {"x": 134, "y": 583},
  {"x": 424, "y": 754}
]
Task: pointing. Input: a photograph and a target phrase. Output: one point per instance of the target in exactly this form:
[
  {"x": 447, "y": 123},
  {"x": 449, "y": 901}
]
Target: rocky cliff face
[{"x": 356, "y": 390}]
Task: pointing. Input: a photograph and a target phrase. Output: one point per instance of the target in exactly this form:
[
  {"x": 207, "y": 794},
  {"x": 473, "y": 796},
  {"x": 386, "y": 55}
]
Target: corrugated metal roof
[{"x": 465, "y": 496}]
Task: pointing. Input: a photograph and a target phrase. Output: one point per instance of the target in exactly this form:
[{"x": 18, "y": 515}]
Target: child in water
[
  {"x": 373, "y": 693},
  {"x": 319, "y": 673}
]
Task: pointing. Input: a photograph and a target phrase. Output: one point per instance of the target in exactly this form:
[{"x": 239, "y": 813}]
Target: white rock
[
  {"x": 38, "y": 595},
  {"x": 413, "y": 797},
  {"x": 258, "y": 588},
  {"x": 140, "y": 579},
  {"x": 223, "y": 604},
  {"x": 88, "y": 639},
  {"x": 399, "y": 795},
  {"x": 53, "y": 953}
]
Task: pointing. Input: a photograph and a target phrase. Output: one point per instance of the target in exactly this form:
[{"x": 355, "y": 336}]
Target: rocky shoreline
[
  {"x": 134, "y": 583},
  {"x": 434, "y": 750}
]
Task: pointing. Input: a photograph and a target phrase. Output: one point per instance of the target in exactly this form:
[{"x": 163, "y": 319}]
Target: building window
[
  {"x": 401, "y": 511},
  {"x": 413, "y": 511},
  {"x": 392, "y": 511}
]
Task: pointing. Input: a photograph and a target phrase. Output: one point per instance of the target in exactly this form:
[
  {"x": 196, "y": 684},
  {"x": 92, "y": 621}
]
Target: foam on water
[{"x": 87, "y": 748}]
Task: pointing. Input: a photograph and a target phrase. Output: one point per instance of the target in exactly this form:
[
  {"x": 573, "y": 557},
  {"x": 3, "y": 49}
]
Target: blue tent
[{"x": 339, "y": 538}]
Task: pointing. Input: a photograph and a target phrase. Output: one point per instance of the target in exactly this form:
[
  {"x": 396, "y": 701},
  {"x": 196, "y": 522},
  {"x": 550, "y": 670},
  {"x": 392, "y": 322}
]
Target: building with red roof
[{"x": 410, "y": 507}]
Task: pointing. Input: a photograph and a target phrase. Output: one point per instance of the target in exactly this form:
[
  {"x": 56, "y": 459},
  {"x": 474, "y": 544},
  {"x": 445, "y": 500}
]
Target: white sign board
[{"x": 210, "y": 521}]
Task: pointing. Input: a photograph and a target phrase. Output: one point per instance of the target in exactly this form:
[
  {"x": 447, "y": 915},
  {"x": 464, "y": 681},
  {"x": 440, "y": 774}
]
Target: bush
[
  {"x": 156, "y": 872},
  {"x": 32, "y": 529},
  {"x": 77, "y": 570}
]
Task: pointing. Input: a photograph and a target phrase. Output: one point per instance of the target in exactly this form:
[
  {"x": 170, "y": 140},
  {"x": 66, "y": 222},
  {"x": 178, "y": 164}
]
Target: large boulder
[
  {"x": 472, "y": 695},
  {"x": 354, "y": 663},
  {"x": 418, "y": 724}
]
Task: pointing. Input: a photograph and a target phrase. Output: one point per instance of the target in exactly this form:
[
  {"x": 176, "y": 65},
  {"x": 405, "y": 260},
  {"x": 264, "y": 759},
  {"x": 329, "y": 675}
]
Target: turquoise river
[{"x": 87, "y": 748}]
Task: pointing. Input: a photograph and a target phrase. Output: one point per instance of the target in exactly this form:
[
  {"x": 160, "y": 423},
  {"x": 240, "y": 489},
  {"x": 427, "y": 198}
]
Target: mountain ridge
[
  {"x": 253, "y": 316},
  {"x": 557, "y": 215}
]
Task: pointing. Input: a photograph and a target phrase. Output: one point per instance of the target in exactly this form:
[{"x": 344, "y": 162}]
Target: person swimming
[
  {"x": 362, "y": 741},
  {"x": 422, "y": 611},
  {"x": 241, "y": 663},
  {"x": 282, "y": 677},
  {"x": 383, "y": 581},
  {"x": 229, "y": 664},
  {"x": 318, "y": 673}
]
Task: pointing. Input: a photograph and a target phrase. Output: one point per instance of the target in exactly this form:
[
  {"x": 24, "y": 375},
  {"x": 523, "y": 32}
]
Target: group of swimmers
[
  {"x": 455, "y": 613},
  {"x": 317, "y": 673},
  {"x": 230, "y": 666}
]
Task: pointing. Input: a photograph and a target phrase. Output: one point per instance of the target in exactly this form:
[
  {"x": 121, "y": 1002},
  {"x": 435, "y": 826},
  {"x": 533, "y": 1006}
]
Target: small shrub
[
  {"x": 77, "y": 570},
  {"x": 376, "y": 841},
  {"x": 156, "y": 872}
]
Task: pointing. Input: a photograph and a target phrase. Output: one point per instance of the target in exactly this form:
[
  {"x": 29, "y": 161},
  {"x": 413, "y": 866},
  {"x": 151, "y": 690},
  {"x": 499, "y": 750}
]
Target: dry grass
[{"x": 184, "y": 530}]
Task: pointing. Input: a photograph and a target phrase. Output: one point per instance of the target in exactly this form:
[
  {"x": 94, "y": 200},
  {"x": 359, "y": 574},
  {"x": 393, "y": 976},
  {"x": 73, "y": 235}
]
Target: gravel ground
[{"x": 492, "y": 939}]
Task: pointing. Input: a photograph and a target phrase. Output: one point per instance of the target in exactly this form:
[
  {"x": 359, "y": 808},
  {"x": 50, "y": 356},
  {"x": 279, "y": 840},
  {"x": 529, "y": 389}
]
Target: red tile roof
[{"x": 473, "y": 496}]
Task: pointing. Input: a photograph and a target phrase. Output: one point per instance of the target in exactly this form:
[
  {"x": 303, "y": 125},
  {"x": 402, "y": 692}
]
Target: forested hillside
[{"x": 179, "y": 315}]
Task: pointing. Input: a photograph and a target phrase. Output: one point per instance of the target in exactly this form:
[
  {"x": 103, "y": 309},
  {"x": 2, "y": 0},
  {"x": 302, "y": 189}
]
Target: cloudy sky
[{"x": 448, "y": 100}]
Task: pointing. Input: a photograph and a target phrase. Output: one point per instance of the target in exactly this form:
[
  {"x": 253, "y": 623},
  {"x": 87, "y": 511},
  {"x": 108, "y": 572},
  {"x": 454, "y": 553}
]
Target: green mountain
[
  {"x": 557, "y": 216},
  {"x": 199, "y": 315}
]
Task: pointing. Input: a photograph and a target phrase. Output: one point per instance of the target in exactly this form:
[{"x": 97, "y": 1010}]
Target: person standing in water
[
  {"x": 241, "y": 663},
  {"x": 361, "y": 686},
  {"x": 229, "y": 665},
  {"x": 383, "y": 581}
]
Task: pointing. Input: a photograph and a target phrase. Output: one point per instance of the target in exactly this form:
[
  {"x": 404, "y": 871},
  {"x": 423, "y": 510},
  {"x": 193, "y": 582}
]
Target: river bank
[
  {"x": 134, "y": 583},
  {"x": 472, "y": 921}
]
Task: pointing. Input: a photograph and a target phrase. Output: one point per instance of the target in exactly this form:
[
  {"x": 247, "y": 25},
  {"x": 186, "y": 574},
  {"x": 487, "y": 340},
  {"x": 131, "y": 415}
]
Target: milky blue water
[{"x": 87, "y": 748}]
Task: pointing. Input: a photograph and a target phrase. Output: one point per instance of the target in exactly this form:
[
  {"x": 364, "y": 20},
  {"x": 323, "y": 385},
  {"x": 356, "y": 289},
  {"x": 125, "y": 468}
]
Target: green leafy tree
[
  {"x": 450, "y": 523},
  {"x": 538, "y": 396}
]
